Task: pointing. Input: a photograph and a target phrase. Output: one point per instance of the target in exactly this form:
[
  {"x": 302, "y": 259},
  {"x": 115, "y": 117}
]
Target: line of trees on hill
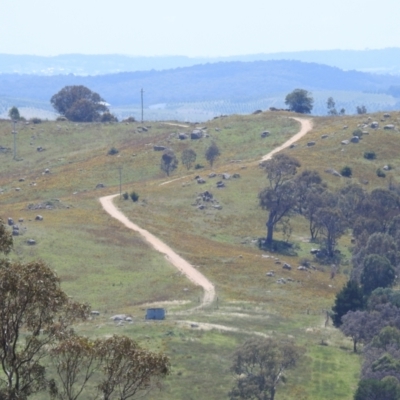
[{"x": 40, "y": 351}]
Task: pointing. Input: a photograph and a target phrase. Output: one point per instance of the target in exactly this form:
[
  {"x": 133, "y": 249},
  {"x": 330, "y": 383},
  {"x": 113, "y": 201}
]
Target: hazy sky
[{"x": 195, "y": 27}]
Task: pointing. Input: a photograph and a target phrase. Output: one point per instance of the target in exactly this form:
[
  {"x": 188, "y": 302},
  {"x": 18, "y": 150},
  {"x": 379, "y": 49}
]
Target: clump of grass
[
  {"x": 346, "y": 171},
  {"x": 370, "y": 155},
  {"x": 380, "y": 173},
  {"x": 113, "y": 151}
]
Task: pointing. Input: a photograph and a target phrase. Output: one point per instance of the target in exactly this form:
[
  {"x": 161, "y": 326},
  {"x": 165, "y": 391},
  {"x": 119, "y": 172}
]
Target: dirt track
[
  {"x": 182, "y": 265},
  {"x": 187, "y": 269}
]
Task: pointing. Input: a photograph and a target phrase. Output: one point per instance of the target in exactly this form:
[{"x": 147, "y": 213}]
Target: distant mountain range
[
  {"x": 202, "y": 91},
  {"x": 385, "y": 61}
]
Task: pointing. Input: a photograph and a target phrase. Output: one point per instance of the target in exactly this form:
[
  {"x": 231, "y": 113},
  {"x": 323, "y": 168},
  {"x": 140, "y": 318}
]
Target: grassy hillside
[{"x": 101, "y": 262}]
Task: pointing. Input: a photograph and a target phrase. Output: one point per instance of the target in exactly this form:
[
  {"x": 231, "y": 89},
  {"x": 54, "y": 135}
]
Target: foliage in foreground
[
  {"x": 36, "y": 318},
  {"x": 260, "y": 365}
]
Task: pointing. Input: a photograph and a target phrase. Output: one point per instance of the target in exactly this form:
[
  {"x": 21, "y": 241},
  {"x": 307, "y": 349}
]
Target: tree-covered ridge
[{"x": 234, "y": 81}]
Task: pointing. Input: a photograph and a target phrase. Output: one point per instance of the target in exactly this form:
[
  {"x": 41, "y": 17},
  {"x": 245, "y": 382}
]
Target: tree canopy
[
  {"x": 13, "y": 113},
  {"x": 300, "y": 101},
  {"x": 78, "y": 103},
  {"x": 279, "y": 197},
  {"x": 260, "y": 365}
]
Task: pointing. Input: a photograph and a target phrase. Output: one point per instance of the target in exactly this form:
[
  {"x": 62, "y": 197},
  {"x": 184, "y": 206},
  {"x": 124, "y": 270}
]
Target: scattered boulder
[
  {"x": 332, "y": 172},
  {"x": 46, "y": 171},
  {"x": 265, "y": 134},
  {"x": 39, "y": 218},
  {"x": 324, "y": 136},
  {"x": 236, "y": 176},
  {"x": 281, "y": 281},
  {"x": 196, "y": 134},
  {"x": 158, "y": 148},
  {"x": 220, "y": 184},
  {"x": 31, "y": 242},
  {"x": 212, "y": 175},
  {"x": 389, "y": 127},
  {"x": 257, "y": 112},
  {"x": 270, "y": 273},
  {"x": 374, "y": 125},
  {"x": 95, "y": 313},
  {"x": 182, "y": 136},
  {"x": 206, "y": 196},
  {"x": 226, "y": 176},
  {"x": 118, "y": 317},
  {"x": 201, "y": 181},
  {"x": 355, "y": 139},
  {"x": 287, "y": 266},
  {"x": 309, "y": 144},
  {"x": 10, "y": 221},
  {"x": 345, "y": 142},
  {"x": 40, "y": 149},
  {"x": 302, "y": 268},
  {"x": 314, "y": 251},
  {"x": 386, "y": 115},
  {"x": 15, "y": 232},
  {"x": 100, "y": 186}
]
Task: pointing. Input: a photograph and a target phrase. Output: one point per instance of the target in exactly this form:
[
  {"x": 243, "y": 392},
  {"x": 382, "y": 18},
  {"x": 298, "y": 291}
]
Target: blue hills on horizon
[{"x": 213, "y": 87}]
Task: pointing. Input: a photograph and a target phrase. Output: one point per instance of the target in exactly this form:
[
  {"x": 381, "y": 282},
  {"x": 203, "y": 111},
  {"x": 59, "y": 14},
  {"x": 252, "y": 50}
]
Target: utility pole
[
  {"x": 120, "y": 181},
  {"x": 141, "y": 96},
  {"x": 14, "y": 132}
]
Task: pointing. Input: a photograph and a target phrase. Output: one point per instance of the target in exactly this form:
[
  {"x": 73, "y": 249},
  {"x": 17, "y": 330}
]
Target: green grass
[{"x": 103, "y": 263}]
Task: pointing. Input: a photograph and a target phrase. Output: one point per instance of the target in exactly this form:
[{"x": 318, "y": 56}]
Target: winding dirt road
[
  {"x": 182, "y": 265},
  {"x": 306, "y": 126}
]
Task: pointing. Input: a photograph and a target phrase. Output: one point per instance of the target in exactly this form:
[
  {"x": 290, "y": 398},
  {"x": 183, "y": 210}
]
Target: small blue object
[{"x": 155, "y": 313}]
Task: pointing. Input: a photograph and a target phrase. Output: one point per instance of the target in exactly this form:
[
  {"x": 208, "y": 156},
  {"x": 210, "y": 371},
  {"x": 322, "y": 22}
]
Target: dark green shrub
[
  {"x": 134, "y": 197},
  {"x": 346, "y": 171},
  {"x": 129, "y": 119},
  {"x": 112, "y": 151},
  {"x": 358, "y": 132},
  {"x": 380, "y": 173},
  {"x": 108, "y": 117},
  {"x": 370, "y": 155},
  {"x": 36, "y": 120},
  {"x": 198, "y": 166},
  {"x": 125, "y": 196}
]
